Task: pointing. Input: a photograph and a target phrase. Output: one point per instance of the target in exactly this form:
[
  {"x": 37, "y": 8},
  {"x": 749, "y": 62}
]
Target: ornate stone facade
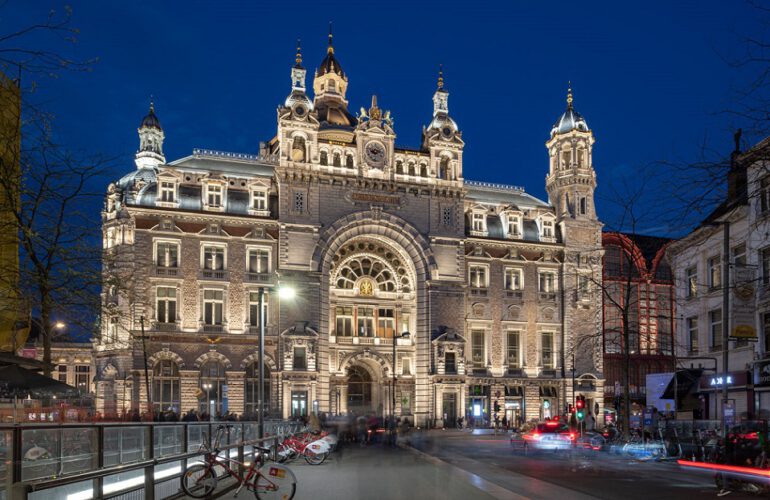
[{"x": 415, "y": 287}]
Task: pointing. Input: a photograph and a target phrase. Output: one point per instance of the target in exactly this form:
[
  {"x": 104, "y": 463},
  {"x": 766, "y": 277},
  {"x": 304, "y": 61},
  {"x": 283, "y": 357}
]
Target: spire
[
  {"x": 330, "y": 50},
  {"x": 569, "y": 94},
  {"x": 298, "y": 59},
  {"x": 440, "y": 77}
]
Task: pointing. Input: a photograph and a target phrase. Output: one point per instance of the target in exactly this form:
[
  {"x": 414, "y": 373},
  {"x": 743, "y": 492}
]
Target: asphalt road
[
  {"x": 595, "y": 474},
  {"x": 455, "y": 465}
]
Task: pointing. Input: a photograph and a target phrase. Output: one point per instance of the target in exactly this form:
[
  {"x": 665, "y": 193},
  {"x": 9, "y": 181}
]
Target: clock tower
[
  {"x": 375, "y": 140},
  {"x": 443, "y": 138}
]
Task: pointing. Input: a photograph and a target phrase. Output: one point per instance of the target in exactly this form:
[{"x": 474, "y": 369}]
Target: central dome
[{"x": 569, "y": 121}]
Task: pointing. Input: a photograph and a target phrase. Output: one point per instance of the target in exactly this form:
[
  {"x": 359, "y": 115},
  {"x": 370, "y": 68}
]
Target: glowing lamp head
[{"x": 286, "y": 293}]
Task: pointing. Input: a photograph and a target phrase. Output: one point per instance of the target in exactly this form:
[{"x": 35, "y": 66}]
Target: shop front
[
  {"x": 514, "y": 405},
  {"x": 478, "y": 405},
  {"x": 762, "y": 389},
  {"x": 740, "y": 395}
]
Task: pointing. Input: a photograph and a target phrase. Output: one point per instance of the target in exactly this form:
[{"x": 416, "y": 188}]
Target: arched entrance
[{"x": 360, "y": 390}]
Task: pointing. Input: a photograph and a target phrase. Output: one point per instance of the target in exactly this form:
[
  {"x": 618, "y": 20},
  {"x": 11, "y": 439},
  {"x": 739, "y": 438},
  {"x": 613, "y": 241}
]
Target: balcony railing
[
  {"x": 514, "y": 294},
  {"x": 210, "y": 274},
  {"x": 213, "y": 328},
  {"x": 166, "y": 271},
  {"x": 259, "y": 277},
  {"x": 166, "y": 327},
  {"x": 550, "y": 296},
  {"x": 479, "y": 292}
]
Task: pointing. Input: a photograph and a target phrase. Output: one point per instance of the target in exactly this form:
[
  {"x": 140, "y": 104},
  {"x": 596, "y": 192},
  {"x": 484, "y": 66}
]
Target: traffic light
[
  {"x": 497, "y": 407},
  {"x": 580, "y": 405}
]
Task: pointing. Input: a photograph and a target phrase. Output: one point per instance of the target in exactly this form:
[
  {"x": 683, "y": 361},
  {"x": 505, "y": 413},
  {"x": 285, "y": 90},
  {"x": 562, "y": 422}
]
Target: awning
[{"x": 683, "y": 383}]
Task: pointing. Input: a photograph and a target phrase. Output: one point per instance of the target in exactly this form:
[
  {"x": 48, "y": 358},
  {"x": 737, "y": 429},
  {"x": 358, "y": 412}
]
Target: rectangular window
[
  {"x": 213, "y": 306},
  {"x": 112, "y": 330},
  {"x": 513, "y": 226},
  {"x": 82, "y": 377},
  {"x": 739, "y": 254},
  {"x": 300, "y": 359},
  {"x": 166, "y": 304},
  {"x": 715, "y": 322},
  {"x": 512, "y": 279},
  {"x": 547, "y": 229},
  {"x": 404, "y": 320},
  {"x": 450, "y": 365},
  {"x": 446, "y": 216},
  {"x": 764, "y": 262},
  {"x": 259, "y": 200},
  {"x": 715, "y": 272},
  {"x": 764, "y": 195},
  {"x": 766, "y": 330},
  {"x": 214, "y": 195},
  {"x": 477, "y": 348},
  {"x": 547, "y": 282},
  {"x": 479, "y": 221},
  {"x": 259, "y": 261},
  {"x": 691, "y": 281},
  {"x": 546, "y": 349},
  {"x": 365, "y": 321},
  {"x": 254, "y": 308},
  {"x": 299, "y": 201},
  {"x": 386, "y": 322},
  {"x": 213, "y": 258},
  {"x": 406, "y": 366},
  {"x": 344, "y": 319},
  {"x": 513, "y": 349},
  {"x": 583, "y": 285},
  {"x": 692, "y": 333},
  {"x": 62, "y": 373},
  {"x": 167, "y": 255},
  {"x": 478, "y": 277},
  {"x": 167, "y": 192}
]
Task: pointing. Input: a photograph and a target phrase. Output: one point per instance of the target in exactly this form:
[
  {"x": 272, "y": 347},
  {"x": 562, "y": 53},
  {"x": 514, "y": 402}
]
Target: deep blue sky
[{"x": 650, "y": 77}]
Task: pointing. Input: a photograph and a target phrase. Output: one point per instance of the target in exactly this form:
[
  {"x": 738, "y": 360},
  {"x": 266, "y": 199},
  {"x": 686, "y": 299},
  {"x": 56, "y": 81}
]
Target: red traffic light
[{"x": 580, "y": 403}]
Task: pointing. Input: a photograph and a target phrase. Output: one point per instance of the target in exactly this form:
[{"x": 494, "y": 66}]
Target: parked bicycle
[
  {"x": 315, "y": 448},
  {"x": 266, "y": 481}
]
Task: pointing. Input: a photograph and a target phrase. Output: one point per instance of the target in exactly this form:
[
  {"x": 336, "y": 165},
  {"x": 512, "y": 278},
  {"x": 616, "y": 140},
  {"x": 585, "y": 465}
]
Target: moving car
[{"x": 549, "y": 435}]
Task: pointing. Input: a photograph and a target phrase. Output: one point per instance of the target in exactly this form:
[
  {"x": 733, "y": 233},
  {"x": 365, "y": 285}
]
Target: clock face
[
  {"x": 300, "y": 110},
  {"x": 375, "y": 153},
  {"x": 447, "y": 131}
]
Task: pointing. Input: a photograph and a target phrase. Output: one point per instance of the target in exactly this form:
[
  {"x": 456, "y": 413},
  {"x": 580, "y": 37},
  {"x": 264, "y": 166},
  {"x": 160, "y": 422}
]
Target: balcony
[
  {"x": 514, "y": 294},
  {"x": 213, "y": 328},
  {"x": 166, "y": 327},
  {"x": 166, "y": 271},
  {"x": 211, "y": 274},
  {"x": 548, "y": 296},
  {"x": 479, "y": 292},
  {"x": 515, "y": 372},
  {"x": 259, "y": 277},
  {"x": 548, "y": 372}
]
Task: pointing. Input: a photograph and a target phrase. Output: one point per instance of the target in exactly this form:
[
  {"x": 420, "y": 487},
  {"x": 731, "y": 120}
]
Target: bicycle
[{"x": 200, "y": 480}]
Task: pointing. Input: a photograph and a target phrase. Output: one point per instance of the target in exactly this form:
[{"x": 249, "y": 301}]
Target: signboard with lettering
[{"x": 743, "y": 310}]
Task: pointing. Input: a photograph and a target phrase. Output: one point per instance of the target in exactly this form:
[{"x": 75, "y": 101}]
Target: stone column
[{"x": 235, "y": 392}]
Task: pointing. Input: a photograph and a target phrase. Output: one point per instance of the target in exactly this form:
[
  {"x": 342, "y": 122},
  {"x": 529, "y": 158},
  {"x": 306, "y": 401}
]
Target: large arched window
[
  {"x": 443, "y": 169},
  {"x": 298, "y": 149},
  {"x": 212, "y": 379},
  {"x": 165, "y": 386},
  {"x": 324, "y": 158},
  {"x": 251, "y": 390}
]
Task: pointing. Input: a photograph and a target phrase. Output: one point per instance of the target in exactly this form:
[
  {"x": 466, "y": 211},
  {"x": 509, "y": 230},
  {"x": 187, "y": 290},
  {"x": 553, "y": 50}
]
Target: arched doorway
[{"x": 359, "y": 390}]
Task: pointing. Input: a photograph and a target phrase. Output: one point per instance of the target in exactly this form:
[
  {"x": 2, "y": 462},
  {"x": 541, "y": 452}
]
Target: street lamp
[
  {"x": 404, "y": 335},
  {"x": 284, "y": 293},
  {"x": 207, "y": 387}
]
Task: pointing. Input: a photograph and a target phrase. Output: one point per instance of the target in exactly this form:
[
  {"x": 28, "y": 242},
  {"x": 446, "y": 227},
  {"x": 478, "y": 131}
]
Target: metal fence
[{"x": 111, "y": 460}]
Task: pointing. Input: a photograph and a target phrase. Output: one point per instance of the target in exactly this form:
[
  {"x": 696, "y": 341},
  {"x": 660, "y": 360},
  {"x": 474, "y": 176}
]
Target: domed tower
[
  {"x": 297, "y": 125},
  {"x": 443, "y": 138},
  {"x": 329, "y": 86},
  {"x": 150, "y": 154},
  {"x": 571, "y": 180},
  {"x": 570, "y": 183}
]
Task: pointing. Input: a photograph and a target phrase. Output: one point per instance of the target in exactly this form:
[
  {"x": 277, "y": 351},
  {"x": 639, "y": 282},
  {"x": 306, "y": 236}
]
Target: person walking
[{"x": 505, "y": 423}]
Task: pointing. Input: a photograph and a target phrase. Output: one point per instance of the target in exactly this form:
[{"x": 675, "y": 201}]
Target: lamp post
[
  {"x": 207, "y": 387},
  {"x": 404, "y": 335},
  {"x": 284, "y": 293}
]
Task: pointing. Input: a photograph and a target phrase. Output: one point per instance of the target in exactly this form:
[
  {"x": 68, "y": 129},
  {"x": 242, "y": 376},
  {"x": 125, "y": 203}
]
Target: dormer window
[
  {"x": 214, "y": 197},
  {"x": 514, "y": 226},
  {"x": 167, "y": 193},
  {"x": 258, "y": 205},
  {"x": 547, "y": 231},
  {"x": 478, "y": 224}
]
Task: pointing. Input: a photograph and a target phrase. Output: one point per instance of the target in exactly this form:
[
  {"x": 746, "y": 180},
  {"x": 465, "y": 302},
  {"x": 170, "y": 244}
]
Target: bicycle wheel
[
  {"x": 199, "y": 481},
  {"x": 314, "y": 458},
  {"x": 275, "y": 482}
]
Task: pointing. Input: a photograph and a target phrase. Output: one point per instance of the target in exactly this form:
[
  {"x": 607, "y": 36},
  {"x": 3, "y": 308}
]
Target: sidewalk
[{"x": 381, "y": 473}]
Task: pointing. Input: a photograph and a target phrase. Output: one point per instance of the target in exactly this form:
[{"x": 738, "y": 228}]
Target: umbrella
[{"x": 18, "y": 381}]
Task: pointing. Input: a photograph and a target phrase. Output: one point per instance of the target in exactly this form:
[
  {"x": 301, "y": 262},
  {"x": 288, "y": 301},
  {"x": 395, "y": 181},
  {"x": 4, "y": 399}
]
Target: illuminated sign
[{"x": 721, "y": 380}]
